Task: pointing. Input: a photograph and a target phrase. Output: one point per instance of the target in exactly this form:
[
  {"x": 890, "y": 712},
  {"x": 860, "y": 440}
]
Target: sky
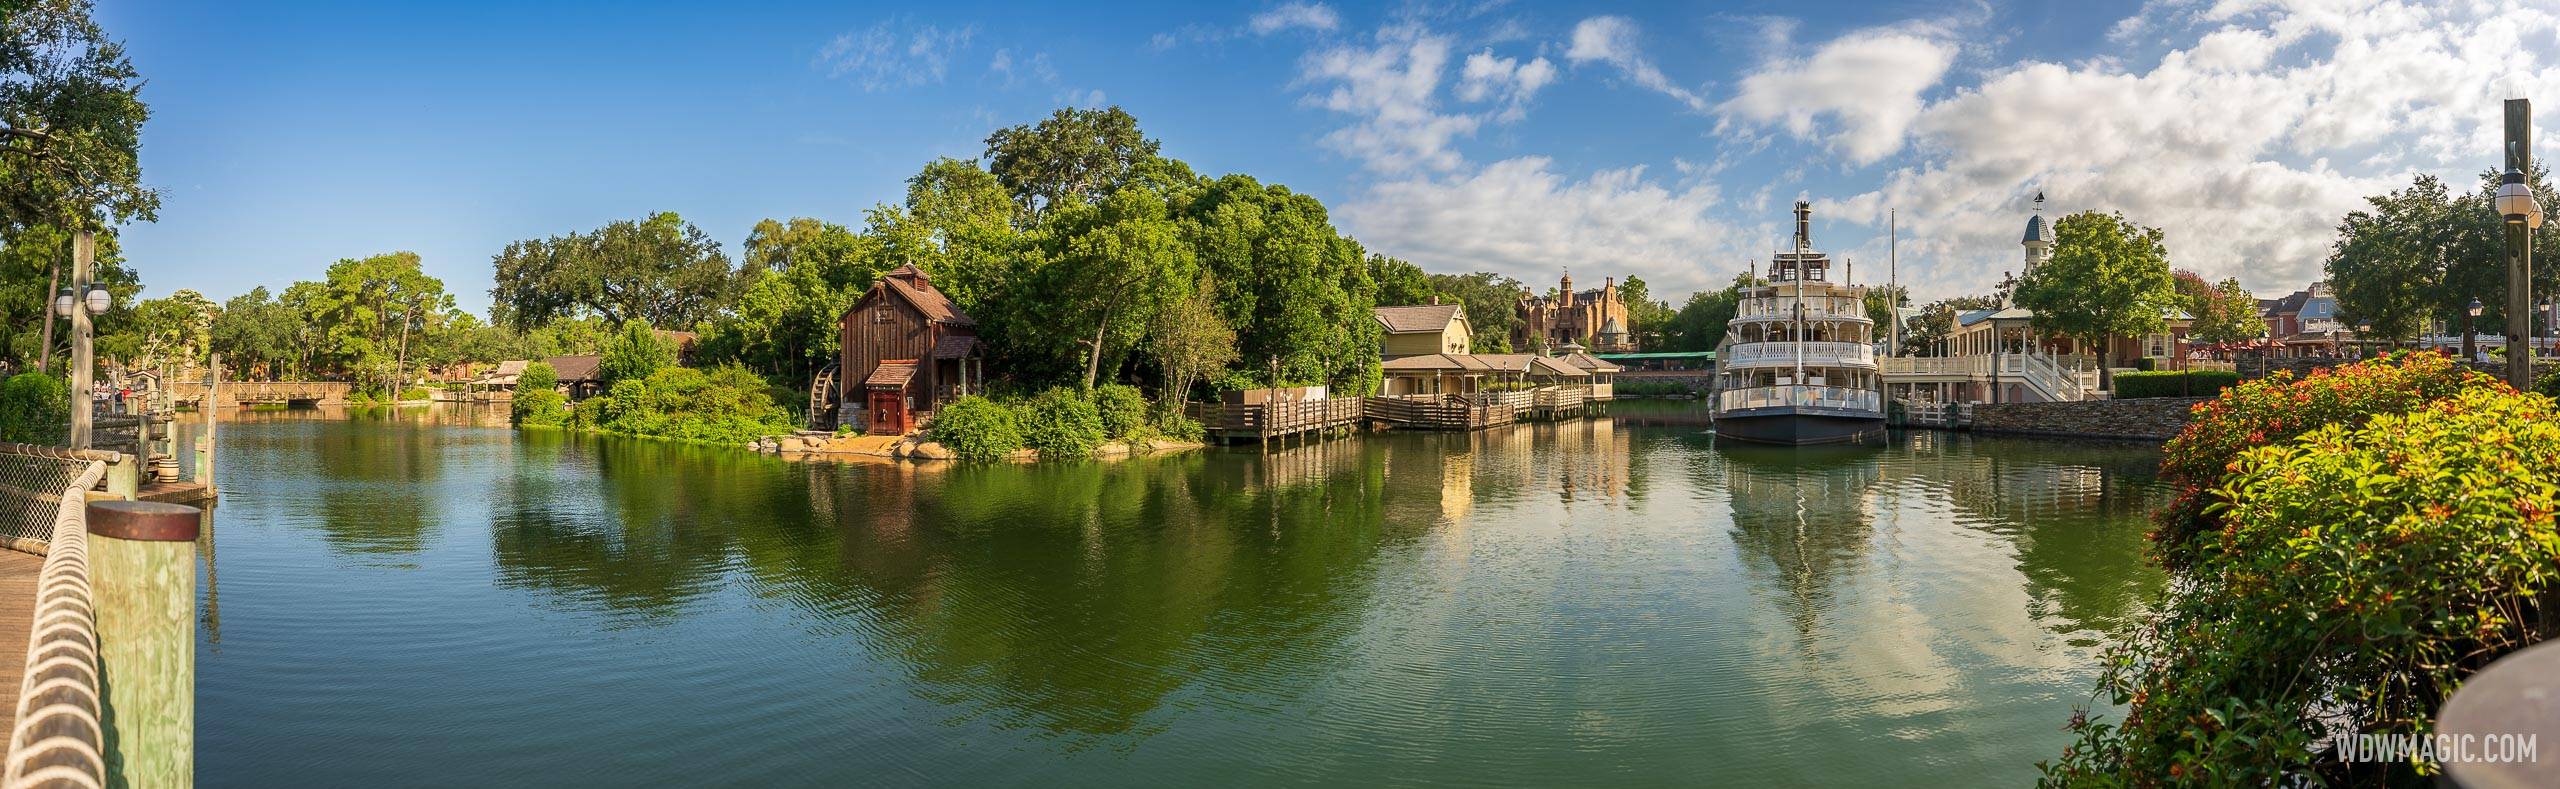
[{"x": 1661, "y": 140}]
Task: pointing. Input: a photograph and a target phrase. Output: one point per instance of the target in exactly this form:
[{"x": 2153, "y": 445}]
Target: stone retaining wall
[{"x": 2143, "y": 419}]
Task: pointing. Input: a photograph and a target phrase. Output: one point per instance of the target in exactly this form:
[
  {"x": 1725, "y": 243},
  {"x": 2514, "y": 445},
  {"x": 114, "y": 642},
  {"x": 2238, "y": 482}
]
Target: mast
[
  {"x": 1804, "y": 241},
  {"x": 1893, "y": 281}
]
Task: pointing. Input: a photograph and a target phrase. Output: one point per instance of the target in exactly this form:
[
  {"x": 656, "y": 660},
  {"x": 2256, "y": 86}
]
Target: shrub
[
  {"x": 1178, "y": 426},
  {"x": 2146, "y": 364},
  {"x": 35, "y": 408},
  {"x": 2277, "y": 409},
  {"x": 2363, "y": 572},
  {"x": 2173, "y": 383},
  {"x": 542, "y": 407},
  {"x": 634, "y": 353},
  {"x": 1062, "y": 424},
  {"x": 1641, "y": 388},
  {"x": 2548, "y": 385},
  {"x": 418, "y": 393},
  {"x": 1123, "y": 410},
  {"x": 976, "y": 428},
  {"x": 537, "y": 375}
]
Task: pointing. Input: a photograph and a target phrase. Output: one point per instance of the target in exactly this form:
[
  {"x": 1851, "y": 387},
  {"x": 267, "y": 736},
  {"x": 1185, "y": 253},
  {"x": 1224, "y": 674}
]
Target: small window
[{"x": 882, "y": 314}]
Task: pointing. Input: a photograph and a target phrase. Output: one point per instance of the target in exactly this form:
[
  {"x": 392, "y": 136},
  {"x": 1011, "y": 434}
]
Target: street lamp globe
[
  {"x": 62, "y": 301},
  {"x": 2516, "y": 203},
  {"x": 99, "y": 300},
  {"x": 2473, "y": 308}
]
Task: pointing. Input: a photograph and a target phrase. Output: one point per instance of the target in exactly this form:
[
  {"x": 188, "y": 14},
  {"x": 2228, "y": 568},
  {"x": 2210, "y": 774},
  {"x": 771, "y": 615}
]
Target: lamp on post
[{"x": 2523, "y": 214}]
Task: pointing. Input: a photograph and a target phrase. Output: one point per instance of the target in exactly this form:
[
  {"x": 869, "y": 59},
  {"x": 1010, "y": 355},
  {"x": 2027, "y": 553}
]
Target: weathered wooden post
[
  {"x": 124, "y": 476},
  {"x": 204, "y": 440},
  {"x": 142, "y": 560}
]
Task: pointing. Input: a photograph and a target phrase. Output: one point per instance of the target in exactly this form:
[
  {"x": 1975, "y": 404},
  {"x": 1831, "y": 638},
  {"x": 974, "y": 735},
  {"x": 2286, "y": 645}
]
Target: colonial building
[
  {"x": 904, "y": 350},
  {"x": 1593, "y": 318},
  {"x": 1424, "y": 329}
]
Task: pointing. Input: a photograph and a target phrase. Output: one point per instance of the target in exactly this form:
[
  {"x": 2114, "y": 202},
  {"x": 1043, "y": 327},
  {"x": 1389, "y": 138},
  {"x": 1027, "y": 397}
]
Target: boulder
[{"x": 931, "y": 450}]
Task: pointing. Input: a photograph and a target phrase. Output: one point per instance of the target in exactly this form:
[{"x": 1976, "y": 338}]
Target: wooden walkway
[{"x": 17, "y": 616}]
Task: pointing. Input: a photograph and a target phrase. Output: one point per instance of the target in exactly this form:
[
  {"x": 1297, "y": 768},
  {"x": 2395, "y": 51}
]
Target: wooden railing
[
  {"x": 1275, "y": 419},
  {"x": 1436, "y": 413}
]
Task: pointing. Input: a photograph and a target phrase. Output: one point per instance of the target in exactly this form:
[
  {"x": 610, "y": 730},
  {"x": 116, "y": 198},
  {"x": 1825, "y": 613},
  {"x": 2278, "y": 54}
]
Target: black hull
[{"x": 1790, "y": 426}]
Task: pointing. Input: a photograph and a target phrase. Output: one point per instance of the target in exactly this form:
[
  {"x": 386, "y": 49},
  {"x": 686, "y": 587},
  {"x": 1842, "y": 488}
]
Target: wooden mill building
[{"x": 904, "y": 350}]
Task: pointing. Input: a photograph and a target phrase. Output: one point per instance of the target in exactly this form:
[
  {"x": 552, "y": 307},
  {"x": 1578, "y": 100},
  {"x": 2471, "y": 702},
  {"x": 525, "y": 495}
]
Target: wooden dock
[
  {"x": 1434, "y": 412},
  {"x": 1263, "y": 422},
  {"x": 18, "y": 571}
]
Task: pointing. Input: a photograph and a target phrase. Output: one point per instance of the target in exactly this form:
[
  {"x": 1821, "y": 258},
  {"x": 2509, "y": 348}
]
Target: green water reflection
[{"x": 426, "y": 599}]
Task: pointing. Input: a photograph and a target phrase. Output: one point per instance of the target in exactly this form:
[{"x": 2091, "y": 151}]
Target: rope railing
[
  {"x": 31, "y": 481},
  {"x": 60, "y": 736}
]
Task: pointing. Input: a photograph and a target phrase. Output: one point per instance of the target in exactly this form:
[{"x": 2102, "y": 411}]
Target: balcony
[
  {"x": 1814, "y": 354},
  {"x": 1799, "y": 395}
]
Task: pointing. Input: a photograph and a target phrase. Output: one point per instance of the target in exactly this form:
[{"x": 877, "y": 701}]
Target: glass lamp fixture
[
  {"x": 2516, "y": 203},
  {"x": 99, "y": 299},
  {"x": 62, "y": 301}
]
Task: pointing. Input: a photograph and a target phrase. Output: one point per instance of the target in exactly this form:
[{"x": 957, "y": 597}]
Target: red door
[{"x": 888, "y": 412}]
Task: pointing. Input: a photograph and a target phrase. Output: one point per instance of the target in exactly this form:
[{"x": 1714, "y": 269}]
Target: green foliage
[
  {"x": 977, "y": 428},
  {"x": 1492, "y": 304},
  {"x": 2223, "y": 313},
  {"x": 1122, "y": 409},
  {"x": 2146, "y": 364},
  {"x": 1700, "y": 325},
  {"x": 2276, "y": 409},
  {"x": 1075, "y": 155},
  {"x": 35, "y": 408},
  {"x": 1172, "y": 423},
  {"x": 725, "y": 405},
  {"x": 1937, "y": 321},
  {"x": 1399, "y": 283},
  {"x": 800, "y": 278},
  {"x": 659, "y": 269},
  {"x": 2173, "y": 383},
  {"x": 2548, "y": 385},
  {"x": 417, "y": 393},
  {"x": 1063, "y": 424},
  {"x": 537, "y": 377},
  {"x": 2364, "y": 571},
  {"x": 1880, "y": 302},
  {"x": 633, "y": 353},
  {"x": 1625, "y": 387},
  {"x": 2107, "y": 277},
  {"x": 2424, "y": 253},
  {"x": 365, "y": 315},
  {"x": 73, "y": 108},
  {"x": 1647, "y": 318}
]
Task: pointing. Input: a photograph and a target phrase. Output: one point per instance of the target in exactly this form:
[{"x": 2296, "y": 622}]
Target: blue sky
[{"x": 1660, "y": 139}]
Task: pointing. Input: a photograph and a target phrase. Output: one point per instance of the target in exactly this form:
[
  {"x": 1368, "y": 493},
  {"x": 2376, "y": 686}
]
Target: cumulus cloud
[
  {"x": 1523, "y": 218},
  {"x": 1489, "y": 78},
  {"x": 1612, "y": 40},
  {"x": 893, "y": 54},
  {"x": 2232, "y": 144},
  {"x": 1392, "y": 86},
  {"x": 1294, "y": 16},
  {"x": 1867, "y": 84}
]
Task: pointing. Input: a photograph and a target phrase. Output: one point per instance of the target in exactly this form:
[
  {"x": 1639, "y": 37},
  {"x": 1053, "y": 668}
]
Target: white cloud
[
  {"x": 1522, "y": 218},
  {"x": 1489, "y": 78},
  {"x": 1612, "y": 40},
  {"x": 2230, "y": 144},
  {"x": 1392, "y": 86},
  {"x": 893, "y": 54},
  {"x": 1307, "y": 16},
  {"x": 1867, "y": 83}
]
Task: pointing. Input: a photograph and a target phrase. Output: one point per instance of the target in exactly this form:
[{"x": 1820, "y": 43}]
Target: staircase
[{"x": 823, "y": 397}]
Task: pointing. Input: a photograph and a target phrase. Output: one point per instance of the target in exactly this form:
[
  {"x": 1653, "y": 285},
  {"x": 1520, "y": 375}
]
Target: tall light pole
[
  {"x": 2470, "y": 313},
  {"x": 2523, "y": 214},
  {"x": 84, "y": 251}
]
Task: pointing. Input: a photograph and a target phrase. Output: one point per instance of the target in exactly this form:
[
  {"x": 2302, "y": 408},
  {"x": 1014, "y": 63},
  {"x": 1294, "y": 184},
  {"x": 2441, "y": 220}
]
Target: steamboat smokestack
[{"x": 1804, "y": 225}]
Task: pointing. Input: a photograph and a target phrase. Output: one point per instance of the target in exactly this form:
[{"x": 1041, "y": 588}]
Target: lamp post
[
  {"x": 2470, "y": 313},
  {"x": 2523, "y": 214},
  {"x": 94, "y": 300}
]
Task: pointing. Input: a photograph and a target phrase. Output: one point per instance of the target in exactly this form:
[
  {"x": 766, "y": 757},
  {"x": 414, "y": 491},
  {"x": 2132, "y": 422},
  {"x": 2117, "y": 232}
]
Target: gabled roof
[
  {"x": 1465, "y": 362},
  {"x": 575, "y": 368},
  {"x": 2291, "y": 304},
  {"x": 1592, "y": 363},
  {"x": 1524, "y": 363},
  {"x": 1428, "y": 318},
  {"x": 911, "y": 284},
  {"x": 891, "y": 374},
  {"x": 512, "y": 367},
  {"x": 2003, "y": 314}
]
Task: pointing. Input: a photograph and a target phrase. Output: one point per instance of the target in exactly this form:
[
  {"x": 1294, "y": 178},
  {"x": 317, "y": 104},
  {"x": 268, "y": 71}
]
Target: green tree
[
  {"x": 1881, "y": 301},
  {"x": 71, "y": 115},
  {"x": 634, "y": 353},
  {"x": 1937, "y": 321},
  {"x": 2107, "y": 277},
  {"x": 2388, "y": 265},
  {"x": 1076, "y": 155},
  {"x": 1190, "y": 341},
  {"x": 1297, "y": 292},
  {"x": 177, "y": 330},
  {"x": 801, "y": 277},
  {"x": 1647, "y": 318},
  {"x": 1400, "y": 283},
  {"x": 2226, "y": 313},
  {"x": 255, "y": 335},
  {"x": 1492, "y": 303},
  {"x": 1701, "y": 322},
  {"x": 1113, "y": 265},
  {"x": 35, "y": 261},
  {"x": 367, "y": 311},
  {"x": 660, "y": 269}
]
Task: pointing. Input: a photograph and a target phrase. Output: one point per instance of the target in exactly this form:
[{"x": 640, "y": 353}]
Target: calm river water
[{"x": 431, "y": 599}]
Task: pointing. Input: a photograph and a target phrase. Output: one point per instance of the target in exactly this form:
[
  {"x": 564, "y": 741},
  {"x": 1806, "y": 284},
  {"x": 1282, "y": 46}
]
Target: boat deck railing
[{"x": 1802, "y": 395}]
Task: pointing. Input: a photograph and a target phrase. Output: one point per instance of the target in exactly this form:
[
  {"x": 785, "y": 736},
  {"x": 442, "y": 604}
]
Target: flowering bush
[
  {"x": 2276, "y": 409},
  {"x": 2363, "y": 572}
]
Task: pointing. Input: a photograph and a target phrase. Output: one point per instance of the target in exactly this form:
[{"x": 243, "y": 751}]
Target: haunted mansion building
[{"x": 1594, "y": 319}]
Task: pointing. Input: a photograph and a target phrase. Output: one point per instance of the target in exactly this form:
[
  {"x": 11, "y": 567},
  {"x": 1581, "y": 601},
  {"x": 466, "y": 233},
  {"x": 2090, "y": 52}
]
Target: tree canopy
[
  {"x": 71, "y": 117},
  {"x": 659, "y": 269},
  {"x": 2107, "y": 277}
]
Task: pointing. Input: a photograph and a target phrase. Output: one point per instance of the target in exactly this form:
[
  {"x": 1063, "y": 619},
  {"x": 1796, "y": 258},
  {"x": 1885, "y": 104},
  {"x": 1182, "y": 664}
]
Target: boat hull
[{"x": 1799, "y": 425}]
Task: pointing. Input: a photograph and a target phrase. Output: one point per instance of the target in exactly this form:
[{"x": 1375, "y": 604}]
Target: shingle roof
[
  {"x": 2035, "y": 229},
  {"x": 512, "y": 367},
  {"x": 1592, "y": 363},
  {"x": 891, "y": 374},
  {"x": 574, "y": 368},
  {"x": 1419, "y": 318},
  {"x": 911, "y": 284},
  {"x": 954, "y": 346}
]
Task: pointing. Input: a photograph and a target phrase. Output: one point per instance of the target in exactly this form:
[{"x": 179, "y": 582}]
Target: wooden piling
[{"x": 143, "y": 557}]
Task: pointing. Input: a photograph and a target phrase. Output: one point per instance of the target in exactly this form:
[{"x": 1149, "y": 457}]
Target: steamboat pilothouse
[{"x": 1798, "y": 363}]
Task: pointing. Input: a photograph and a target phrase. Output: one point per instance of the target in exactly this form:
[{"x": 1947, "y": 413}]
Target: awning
[
  {"x": 954, "y": 346},
  {"x": 891, "y": 375}
]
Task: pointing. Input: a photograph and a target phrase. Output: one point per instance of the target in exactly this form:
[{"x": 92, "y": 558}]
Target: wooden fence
[
  {"x": 1266, "y": 421},
  {"x": 1439, "y": 413}
]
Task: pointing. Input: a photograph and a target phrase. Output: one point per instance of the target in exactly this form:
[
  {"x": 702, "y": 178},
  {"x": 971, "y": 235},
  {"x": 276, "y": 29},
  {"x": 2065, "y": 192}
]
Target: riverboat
[{"x": 1798, "y": 362}]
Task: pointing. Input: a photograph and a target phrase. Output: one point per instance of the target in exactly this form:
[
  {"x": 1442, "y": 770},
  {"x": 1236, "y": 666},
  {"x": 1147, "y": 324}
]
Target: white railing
[
  {"x": 1814, "y": 307},
  {"x": 1935, "y": 365},
  {"x": 1799, "y": 395},
  {"x": 1827, "y": 354}
]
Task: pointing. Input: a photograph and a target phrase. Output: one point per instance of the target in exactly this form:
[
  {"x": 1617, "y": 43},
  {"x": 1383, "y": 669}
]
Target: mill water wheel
[{"x": 824, "y": 396}]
